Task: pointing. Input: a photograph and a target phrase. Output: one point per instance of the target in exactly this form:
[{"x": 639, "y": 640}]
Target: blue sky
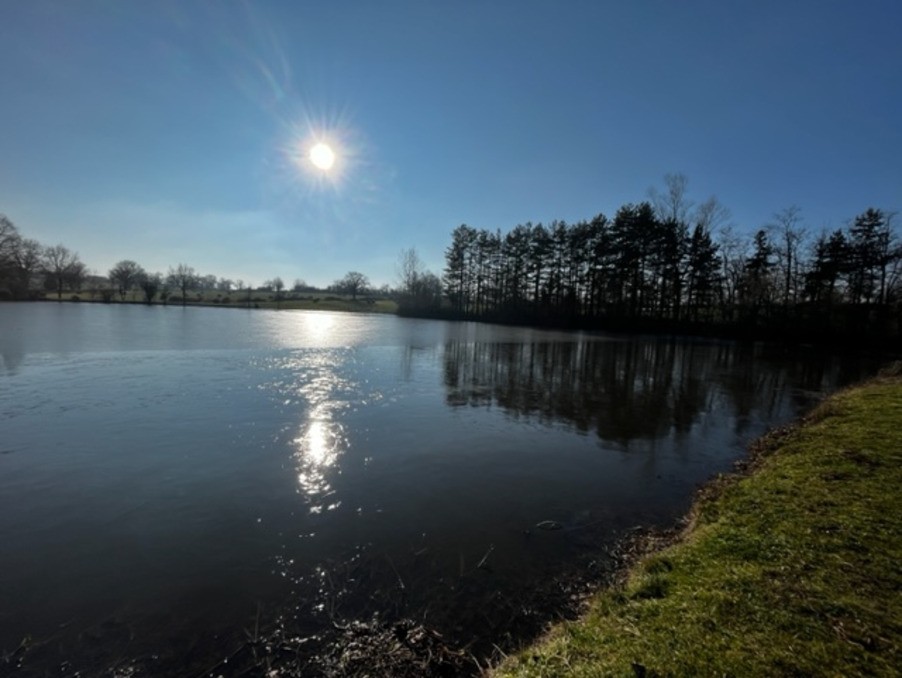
[{"x": 175, "y": 132}]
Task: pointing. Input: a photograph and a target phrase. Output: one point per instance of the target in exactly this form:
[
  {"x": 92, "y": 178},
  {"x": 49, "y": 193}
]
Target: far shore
[
  {"x": 303, "y": 302},
  {"x": 318, "y": 300}
]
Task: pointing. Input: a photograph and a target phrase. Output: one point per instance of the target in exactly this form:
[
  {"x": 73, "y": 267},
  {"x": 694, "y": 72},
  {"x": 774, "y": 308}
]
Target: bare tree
[
  {"x": 420, "y": 289},
  {"x": 711, "y": 215},
  {"x": 125, "y": 275},
  {"x": 353, "y": 283},
  {"x": 9, "y": 240},
  {"x": 673, "y": 204},
  {"x": 27, "y": 262},
  {"x": 409, "y": 270},
  {"x": 183, "y": 278},
  {"x": 62, "y": 268},
  {"x": 733, "y": 251},
  {"x": 788, "y": 236}
]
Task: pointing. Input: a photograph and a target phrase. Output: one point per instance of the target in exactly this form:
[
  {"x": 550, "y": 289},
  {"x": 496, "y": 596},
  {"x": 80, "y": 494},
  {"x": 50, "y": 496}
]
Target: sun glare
[{"x": 322, "y": 156}]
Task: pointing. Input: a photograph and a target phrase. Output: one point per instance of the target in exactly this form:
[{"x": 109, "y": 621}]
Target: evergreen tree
[
  {"x": 703, "y": 271},
  {"x": 758, "y": 284},
  {"x": 873, "y": 254},
  {"x": 458, "y": 269},
  {"x": 829, "y": 262}
]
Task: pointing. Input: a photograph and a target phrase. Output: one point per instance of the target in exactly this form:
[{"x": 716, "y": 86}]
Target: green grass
[{"x": 794, "y": 569}]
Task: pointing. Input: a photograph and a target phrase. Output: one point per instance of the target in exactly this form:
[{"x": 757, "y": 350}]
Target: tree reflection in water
[{"x": 633, "y": 389}]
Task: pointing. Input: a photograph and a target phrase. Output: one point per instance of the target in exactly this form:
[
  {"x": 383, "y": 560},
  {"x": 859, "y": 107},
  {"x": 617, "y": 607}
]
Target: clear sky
[{"x": 170, "y": 132}]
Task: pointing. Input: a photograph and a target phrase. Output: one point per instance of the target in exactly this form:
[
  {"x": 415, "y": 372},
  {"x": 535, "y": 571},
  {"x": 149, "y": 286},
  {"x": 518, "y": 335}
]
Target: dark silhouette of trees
[
  {"x": 758, "y": 285},
  {"x": 125, "y": 275},
  {"x": 676, "y": 266},
  {"x": 874, "y": 255},
  {"x": 459, "y": 269},
  {"x": 666, "y": 264},
  {"x": 703, "y": 274},
  {"x": 788, "y": 237},
  {"x": 829, "y": 263}
]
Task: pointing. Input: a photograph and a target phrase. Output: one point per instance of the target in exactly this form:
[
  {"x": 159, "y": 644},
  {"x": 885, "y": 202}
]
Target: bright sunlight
[{"x": 322, "y": 156}]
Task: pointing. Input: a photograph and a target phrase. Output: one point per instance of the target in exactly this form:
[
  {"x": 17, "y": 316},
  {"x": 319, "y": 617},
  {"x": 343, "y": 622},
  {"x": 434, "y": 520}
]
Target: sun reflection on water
[
  {"x": 317, "y": 450},
  {"x": 315, "y": 379}
]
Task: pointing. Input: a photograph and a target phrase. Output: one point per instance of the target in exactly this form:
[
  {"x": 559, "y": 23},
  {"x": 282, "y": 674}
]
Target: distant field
[{"x": 257, "y": 299}]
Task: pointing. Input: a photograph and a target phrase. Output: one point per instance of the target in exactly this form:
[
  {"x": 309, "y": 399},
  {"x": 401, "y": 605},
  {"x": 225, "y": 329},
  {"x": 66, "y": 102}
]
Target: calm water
[{"x": 171, "y": 477}]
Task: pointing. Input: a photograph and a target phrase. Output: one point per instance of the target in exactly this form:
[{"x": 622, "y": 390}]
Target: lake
[{"x": 173, "y": 480}]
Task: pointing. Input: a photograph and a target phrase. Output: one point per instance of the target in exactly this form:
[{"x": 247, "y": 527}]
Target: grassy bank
[{"x": 794, "y": 569}]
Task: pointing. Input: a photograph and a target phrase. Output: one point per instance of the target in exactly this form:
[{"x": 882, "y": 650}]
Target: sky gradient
[{"x": 170, "y": 132}]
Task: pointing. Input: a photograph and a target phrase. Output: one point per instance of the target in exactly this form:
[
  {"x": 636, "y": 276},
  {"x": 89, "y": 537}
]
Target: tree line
[
  {"x": 661, "y": 264},
  {"x": 29, "y": 269},
  {"x": 22, "y": 259},
  {"x": 667, "y": 264}
]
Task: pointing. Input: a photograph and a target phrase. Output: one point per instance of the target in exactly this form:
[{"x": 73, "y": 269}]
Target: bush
[{"x": 74, "y": 297}]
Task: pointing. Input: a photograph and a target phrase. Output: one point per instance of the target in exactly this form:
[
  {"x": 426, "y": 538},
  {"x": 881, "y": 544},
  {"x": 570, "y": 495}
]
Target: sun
[{"x": 322, "y": 156}]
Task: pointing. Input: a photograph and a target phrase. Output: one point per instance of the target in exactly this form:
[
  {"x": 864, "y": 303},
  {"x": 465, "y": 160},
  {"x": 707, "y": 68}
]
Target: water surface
[{"x": 170, "y": 477}]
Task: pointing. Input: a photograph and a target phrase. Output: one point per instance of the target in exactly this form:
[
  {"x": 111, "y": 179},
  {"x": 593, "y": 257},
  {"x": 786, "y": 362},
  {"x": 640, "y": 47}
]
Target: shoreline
[
  {"x": 316, "y": 303},
  {"x": 788, "y": 335},
  {"x": 665, "y": 614}
]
